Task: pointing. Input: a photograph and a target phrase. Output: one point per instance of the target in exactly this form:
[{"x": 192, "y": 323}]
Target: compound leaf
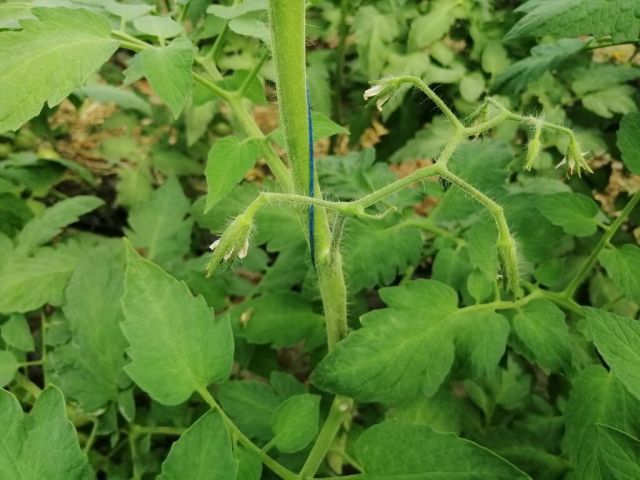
[
  {"x": 42, "y": 444},
  {"x": 176, "y": 344},
  {"x": 393, "y": 450},
  {"x": 408, "y": 349},
  {"x": 48, "y": 59},
  {"x": 203, "y": 452}
]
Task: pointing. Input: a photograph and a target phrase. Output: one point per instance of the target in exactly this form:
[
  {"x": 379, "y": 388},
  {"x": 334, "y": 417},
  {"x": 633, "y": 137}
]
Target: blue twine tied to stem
[{"x": 312, "y": 185}]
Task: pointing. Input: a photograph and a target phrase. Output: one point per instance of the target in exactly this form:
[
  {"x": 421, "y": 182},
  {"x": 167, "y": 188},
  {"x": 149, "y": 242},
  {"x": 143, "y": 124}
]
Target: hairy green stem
[
  {"x": 340, "y": 409},
  {"x": 273, "y": 465},
  {"x": 246, "y": 83},
  {"x": 506, "y": 244},
  {"x": 420, "y": 85},
  {"x": 579, "y": 277},
  {"x": 286, "y": 20}
]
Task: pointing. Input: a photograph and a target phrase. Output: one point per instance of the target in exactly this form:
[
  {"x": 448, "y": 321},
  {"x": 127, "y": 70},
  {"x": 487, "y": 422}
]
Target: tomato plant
[{"x": 195, "y": 284}]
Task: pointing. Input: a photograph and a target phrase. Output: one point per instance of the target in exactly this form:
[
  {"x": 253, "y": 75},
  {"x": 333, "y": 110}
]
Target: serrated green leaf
[
  {"x": 237, "y": 10},
  {"x": 408, "y": 349},
  {"x": 127, "y": 11},
  {"x": 393, "y": 451},
  {"x": 160, "y": 227},
  {"x": 48, "y": 59},
  {"x": 574, "y": 212},
  {"x": 629, "y": 141},
  {"x": 623, "y": 267},
  {"x": 618, "y": 453},
  {"x": 40, "y": 230},
  {"x": 572, "y": 18},
  {"x": 612, "y": 100},
  {"x": 229, "y": 161},
  {"x": 250, "y": 26},
  {"x": 250, "y": 404},
  {"x": 596, "y": 397},
  {"x": 375, "y": 251},
  {"x": 543, "y": 58},
  {"x": 161, "y": 27},
  {"x": 168, "y": 70},
  {"x": 426, "y": 29},
  {"x": 285, "y": 384},
  {"x": 278, "y": 319},
  {"x": 484, "y": 165},
  {"x": 618, "y": 341},
  {"x": 176, "y": 345},
  {"x": 29, "y": 283},
  {"x": 203, "y": 452},
  {"x": 89, "y": 369},
  {"x": 541, "y": 327},
  {"x": 295, "y": 422},
  {"x": 17, "y": 334},
  {"x": 374, "y": 33},
  {"x": 121, "y": 97},
  {"x": 443, "y": 412},
  {"x": 426, "y": 143},
  {"x": 42, "y": 444},
  {"x": 8, "y": 367},
  {"x": 353, "y": 175},
  {"x": 601, "y": 76}
]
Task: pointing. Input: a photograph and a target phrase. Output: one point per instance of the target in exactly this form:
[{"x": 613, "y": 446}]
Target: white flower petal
[
  {"x": 244, "y": 250},
  {"x": 372, "y": 91},
  {"x": 214, "y": 245}
]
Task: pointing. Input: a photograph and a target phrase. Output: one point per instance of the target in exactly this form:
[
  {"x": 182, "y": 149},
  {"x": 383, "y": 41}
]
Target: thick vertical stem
[{"x": 286, "y": 19}]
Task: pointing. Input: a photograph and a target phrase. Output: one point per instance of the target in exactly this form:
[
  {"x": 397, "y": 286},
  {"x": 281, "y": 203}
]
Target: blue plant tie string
[{"x": 312, "y": 185}]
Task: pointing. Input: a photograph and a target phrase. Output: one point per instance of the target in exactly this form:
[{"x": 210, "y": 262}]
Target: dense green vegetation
[{"x": 376, "y": 239}]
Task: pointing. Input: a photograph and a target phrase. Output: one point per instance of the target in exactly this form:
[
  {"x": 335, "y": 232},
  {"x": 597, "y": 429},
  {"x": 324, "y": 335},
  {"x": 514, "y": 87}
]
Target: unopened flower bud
[
  {"x": 234, "y": 243},
  {"x": 575, "y": 158},
  {"x": 533, "y": 150}
]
